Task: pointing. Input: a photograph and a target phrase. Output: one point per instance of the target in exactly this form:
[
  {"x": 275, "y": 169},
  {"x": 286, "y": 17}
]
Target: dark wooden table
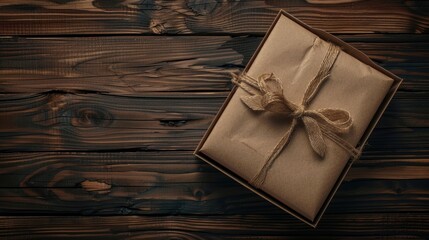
[{"x": 103, "y": 102}]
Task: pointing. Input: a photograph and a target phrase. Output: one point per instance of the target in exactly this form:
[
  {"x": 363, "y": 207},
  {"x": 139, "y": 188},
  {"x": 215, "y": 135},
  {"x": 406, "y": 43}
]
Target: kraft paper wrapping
[{"x": 242, "y": 138}]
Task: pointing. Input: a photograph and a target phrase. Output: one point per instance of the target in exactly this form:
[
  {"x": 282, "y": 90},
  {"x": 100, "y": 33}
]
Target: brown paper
[{"x": 240, "y": 139}]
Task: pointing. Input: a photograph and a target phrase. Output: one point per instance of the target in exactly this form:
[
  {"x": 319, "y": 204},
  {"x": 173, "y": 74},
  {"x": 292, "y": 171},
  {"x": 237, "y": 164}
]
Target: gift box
[{"x": 298, "y": 116}]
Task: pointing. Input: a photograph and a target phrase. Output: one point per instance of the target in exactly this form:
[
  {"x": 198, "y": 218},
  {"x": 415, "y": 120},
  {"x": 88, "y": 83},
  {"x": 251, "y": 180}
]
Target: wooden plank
[
  {"x": 332, "y": 226},
  {"x": 77, "y": 121},
  {"x": 58, "y": 121},
  {"x": 139, "y": 64},
  {"x": 175, "y": 182},
  {"x": 64, "y": 105},
  {"x": 25, "y": 17},
  {"x": 153, "y": 169}
]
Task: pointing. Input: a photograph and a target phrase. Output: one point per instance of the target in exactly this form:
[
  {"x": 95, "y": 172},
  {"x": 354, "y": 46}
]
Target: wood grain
[
  {"x": 332, "y": 226},
  {"x": 174, "y": 182},
  {"x": 135, "y": 65},
  {"x": 58, "y": 121},
  {"x": 75, "y": 121},
  {"x": 152, "y": 169},
  {"x": 99, "y": 117},
  {"x": 24, "y": 17}
]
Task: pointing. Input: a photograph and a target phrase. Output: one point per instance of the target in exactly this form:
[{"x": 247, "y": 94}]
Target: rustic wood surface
[{"x": 103, "y": 102}]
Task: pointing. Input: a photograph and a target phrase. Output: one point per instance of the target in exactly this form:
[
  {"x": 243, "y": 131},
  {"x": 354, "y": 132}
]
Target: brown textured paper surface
[{"x": 242, "y": 138}]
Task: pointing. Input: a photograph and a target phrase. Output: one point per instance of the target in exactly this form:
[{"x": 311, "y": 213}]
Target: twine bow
[{"x": 266, "y": 94}]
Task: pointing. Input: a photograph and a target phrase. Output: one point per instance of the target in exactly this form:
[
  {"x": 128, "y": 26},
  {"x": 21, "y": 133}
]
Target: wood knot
[
  {"x": 199, "y": 194},
  {"x": 157, "y": 26},
  {"x": 108, "y": 5},
  {"x": 91, "y": 117},
  {"x": 172, "y": 123},
  {"x": 202, "y": 7},
  {"x": 56, "y": 101},
  {"x": 95, "y": 186}
]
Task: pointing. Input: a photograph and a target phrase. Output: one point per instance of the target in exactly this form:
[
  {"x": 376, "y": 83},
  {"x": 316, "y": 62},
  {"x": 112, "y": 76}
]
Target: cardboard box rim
[{"x": 346, "y": 48}]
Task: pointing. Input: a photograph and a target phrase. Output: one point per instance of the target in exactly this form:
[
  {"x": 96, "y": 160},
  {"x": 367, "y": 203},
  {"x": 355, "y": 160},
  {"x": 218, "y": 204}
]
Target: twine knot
[
  {"x": 266, "y": 94},
  {"x": 299, "y": 111}
]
